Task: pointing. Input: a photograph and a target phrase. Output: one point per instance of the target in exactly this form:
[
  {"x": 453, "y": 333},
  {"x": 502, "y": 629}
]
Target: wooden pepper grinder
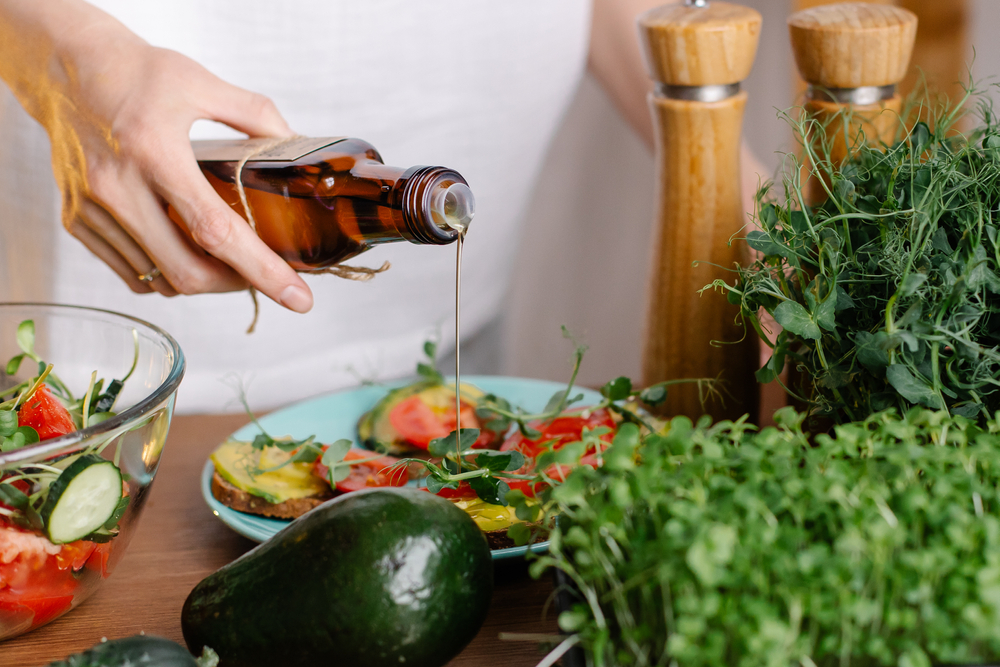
[
  {"x": 852, "y": 55},
  {"x": 698, "y": 53}
]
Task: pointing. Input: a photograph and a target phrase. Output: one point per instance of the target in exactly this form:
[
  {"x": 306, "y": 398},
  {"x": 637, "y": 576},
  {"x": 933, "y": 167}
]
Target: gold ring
[{"x": 149, "y": 277}]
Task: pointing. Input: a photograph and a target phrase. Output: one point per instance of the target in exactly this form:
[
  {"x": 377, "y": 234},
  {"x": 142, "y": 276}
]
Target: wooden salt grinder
[
  {"x": 698, "y": 53},
  {"x": 852, "y": 55}
]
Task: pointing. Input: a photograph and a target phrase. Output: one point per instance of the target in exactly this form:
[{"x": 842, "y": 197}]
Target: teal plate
[{"x": 335, "y": 416}]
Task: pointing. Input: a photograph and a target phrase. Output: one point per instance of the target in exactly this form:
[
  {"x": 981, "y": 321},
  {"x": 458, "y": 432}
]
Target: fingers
[
  {"x": 225, "y": 235},
  {"x": 97, "y": 245},
  {"x": 141, "y": 228},
  {"x": 121, "y": 212},
  {"x": 188, "y": 267},
  {"x": 129, "y": 260}
]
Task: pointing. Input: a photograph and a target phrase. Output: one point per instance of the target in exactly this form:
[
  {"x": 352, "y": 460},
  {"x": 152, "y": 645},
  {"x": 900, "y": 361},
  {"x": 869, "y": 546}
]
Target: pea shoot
[{"x": 888, "y": 292}]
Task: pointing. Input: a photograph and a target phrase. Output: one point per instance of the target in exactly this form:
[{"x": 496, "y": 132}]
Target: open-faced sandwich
[
  {"x": 277, "y": 480},
  {"x": 285, "y": 479}
]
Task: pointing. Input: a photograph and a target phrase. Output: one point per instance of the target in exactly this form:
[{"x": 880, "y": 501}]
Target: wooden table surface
[{"x": 179, "y": 542}]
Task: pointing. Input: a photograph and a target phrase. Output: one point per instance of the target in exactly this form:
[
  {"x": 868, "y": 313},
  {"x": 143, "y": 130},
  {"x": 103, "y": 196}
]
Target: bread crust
[
  {"x": 243, "y": 501},
  {"x": 498, "y": 539}
]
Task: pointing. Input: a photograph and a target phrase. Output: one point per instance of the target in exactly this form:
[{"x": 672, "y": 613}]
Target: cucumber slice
[{"x": 82, "y": 499}]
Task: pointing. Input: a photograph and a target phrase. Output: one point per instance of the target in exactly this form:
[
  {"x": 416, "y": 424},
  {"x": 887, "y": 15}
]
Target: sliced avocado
[
  {"x": 236, "y": 461},
  {"x": 488, "y": 516},
  {"x": 375, "y": 430}
]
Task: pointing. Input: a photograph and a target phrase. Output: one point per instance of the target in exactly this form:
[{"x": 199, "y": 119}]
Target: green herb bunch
[
  {"x": 888, "y": 291},
  {"x": 717, "y": 545}
]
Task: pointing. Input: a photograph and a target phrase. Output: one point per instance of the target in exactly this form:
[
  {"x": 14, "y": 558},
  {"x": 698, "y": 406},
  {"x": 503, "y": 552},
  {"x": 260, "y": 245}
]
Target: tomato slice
[
  {"x": 418, "y": 423},
  {"x": 36, "y": 585},
  {"x": 44, "y": 413},
  {"x": 368, "y": 474},
  {"x": 469, "y": 420},
  {"x": 463, "y": 491},
  {"x": 42, "y": 609},
  {"x": 98, "y": 561},
  {"x": 74, "y": 555}
]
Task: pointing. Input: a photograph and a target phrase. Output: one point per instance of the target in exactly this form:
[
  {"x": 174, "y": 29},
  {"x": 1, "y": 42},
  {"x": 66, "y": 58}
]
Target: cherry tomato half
[
  {"x": 44, "y": 413},
  {"x": 371, "y": 473}
]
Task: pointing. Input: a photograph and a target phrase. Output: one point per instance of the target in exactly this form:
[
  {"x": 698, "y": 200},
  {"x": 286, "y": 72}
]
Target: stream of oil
[{"x": 458, "y": 336}]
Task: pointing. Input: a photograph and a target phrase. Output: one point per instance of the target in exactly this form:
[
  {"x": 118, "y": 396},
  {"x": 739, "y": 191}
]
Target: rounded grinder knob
[
  {"x": 852, "y": 55},
  {"x": 853, "y": 44}
]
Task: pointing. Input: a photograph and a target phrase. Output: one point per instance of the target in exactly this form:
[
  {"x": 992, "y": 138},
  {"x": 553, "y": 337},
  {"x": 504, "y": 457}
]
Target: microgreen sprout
[
  {"x": 887, "y": 291},
  {"x": 715, "y": 544}
]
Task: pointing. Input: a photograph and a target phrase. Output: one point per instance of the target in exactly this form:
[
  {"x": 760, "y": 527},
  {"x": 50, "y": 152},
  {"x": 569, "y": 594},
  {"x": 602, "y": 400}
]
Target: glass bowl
[{"x": 41, "y": 580}]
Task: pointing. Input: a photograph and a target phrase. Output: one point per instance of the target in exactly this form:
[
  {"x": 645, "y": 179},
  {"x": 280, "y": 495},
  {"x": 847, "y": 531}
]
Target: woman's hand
[{"x": 118, "y": 112}]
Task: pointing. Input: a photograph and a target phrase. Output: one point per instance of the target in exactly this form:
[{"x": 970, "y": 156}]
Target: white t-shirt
[{"x": 476, "y": 86}]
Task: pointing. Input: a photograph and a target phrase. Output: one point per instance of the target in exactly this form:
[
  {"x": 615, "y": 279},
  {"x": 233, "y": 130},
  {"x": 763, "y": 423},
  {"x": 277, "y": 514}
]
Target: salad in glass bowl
[{"x": 86, "y": 398}]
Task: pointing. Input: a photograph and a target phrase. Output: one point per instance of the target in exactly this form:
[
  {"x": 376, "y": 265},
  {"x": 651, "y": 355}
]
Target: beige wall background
[{"x": 583, "y": 262}]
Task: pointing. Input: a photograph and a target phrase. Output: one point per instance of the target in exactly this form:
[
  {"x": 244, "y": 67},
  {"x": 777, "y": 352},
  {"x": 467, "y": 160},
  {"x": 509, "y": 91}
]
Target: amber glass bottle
[{"x": 317, "y": 202}]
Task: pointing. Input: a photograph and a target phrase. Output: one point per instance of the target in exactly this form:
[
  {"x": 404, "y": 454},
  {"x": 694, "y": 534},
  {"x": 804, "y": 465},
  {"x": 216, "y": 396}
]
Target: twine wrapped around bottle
[{"x": 359, "y": 273}]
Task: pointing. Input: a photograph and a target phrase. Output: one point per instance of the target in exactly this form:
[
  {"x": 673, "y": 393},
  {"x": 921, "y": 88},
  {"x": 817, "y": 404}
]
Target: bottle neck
[{"x": 436, "y": 205}]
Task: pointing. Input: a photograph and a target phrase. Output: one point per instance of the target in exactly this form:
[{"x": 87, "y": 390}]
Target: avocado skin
[
  {"x": 134, "y": 651},
  {"x": 377, "y": 577}
]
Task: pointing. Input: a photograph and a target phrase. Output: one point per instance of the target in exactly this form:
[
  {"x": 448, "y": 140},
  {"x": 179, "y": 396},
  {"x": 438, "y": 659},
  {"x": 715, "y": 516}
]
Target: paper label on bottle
[{"x": 259, "y": 150}]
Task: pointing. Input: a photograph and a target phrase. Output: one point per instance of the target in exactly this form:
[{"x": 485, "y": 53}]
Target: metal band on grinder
[
  {"x": 698, "y": 93},
  {"x": 861, "y": 96}
]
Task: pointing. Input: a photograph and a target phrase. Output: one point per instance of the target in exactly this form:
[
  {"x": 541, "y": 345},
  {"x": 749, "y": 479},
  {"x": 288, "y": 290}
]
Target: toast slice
[
  {"x": 497, "y": 539},
  {"x": 242, "y": 501}
]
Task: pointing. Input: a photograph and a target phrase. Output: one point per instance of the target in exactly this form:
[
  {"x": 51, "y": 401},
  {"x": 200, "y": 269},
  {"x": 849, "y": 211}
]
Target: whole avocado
[{"x": 377, "y": 577}]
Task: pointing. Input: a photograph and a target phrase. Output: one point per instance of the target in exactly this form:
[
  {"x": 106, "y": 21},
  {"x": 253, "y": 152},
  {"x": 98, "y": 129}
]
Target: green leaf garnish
[
  {"x": 490, "y": 490},
  {"x": 13, "y": 496},
  {"x": 333, "y": 458},
  {"x": 618, "y": 389},
  {"x": 449, "y": 443},
  {"x": 26, "y": 338},
  {"x": 500, "y": 461}
]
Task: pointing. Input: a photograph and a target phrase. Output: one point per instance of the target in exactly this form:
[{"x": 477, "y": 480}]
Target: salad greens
[
  {"x": 25, "y": 487},
  {"x": 707, "y": 544},
  {"x": 888, "y": 291},
  {"x": 95, "y": 406}
]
